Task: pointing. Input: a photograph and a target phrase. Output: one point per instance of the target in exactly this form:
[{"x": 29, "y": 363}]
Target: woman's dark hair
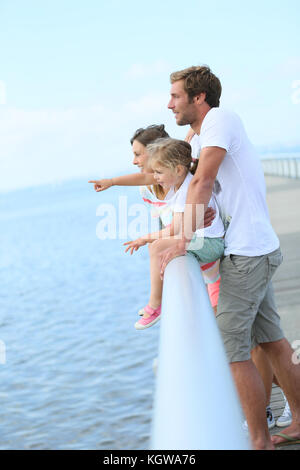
[{"x": 149, "y": 134}]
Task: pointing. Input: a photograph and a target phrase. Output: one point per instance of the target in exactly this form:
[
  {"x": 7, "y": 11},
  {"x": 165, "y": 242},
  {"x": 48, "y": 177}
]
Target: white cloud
[
  {"x": 2, "y": 92},
  {"x": 48, "y": 145},
  {"x": 139, "y": 70},
  {"x": 152, "y": 102},
  {"x": 296, "y": 92},
  {"x": 288, "y": 68}
]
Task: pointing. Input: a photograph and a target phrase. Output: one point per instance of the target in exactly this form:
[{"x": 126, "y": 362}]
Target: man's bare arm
[{"x": 200, "y": 189}]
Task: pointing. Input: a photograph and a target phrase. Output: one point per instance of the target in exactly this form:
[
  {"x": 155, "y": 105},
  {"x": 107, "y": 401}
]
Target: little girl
[
  {"x": 153, "y": 195},
  {"x": 172, "y": 163}
]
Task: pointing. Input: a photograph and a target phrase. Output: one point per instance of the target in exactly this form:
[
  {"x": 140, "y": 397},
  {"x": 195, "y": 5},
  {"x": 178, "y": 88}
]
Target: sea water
[{"x": 75, "y": 374}]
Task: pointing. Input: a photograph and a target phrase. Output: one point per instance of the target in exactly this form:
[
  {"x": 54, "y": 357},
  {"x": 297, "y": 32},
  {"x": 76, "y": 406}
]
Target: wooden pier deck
[{"x": 283, "y": 196}]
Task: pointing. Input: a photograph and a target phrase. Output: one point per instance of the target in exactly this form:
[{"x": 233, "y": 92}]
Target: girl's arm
[
  {"x": 170, "y": 231},
  {"x": 135, "y": 179}
]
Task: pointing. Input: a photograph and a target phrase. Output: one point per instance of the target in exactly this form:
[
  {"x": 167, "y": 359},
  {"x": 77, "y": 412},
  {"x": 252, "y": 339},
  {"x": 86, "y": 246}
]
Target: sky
[{"x": 77, "y": 78}]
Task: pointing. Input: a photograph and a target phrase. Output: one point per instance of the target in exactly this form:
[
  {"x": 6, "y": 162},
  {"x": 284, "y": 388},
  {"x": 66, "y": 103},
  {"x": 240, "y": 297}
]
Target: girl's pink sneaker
[{"x": 154, "y": 316}]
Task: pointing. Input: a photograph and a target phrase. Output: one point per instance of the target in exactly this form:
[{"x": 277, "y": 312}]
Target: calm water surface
[{"x": 77, "y": 374}]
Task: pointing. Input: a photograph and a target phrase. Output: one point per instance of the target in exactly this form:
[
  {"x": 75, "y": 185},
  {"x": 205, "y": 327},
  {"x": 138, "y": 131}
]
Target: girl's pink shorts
[{"x": 213, "y": 292}]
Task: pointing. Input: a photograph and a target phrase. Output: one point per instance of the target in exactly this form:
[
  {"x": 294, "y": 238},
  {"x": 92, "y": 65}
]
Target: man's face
[{"x": 185, "y": 112}]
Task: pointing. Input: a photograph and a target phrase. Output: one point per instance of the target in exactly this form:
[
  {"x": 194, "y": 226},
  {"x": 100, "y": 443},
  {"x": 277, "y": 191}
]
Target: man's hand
[
  {"x": 135, "y": 245},
  {"x": 167, "y": 255},
  {"x": 101, "y": 185},
  {"x": 209, "y": 216}
]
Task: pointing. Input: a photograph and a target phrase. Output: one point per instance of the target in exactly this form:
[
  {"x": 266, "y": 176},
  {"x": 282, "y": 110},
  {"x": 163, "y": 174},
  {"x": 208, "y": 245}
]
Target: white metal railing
[
  {"x": 288, "y": 167},
  {"x": 196, "y": 404}
]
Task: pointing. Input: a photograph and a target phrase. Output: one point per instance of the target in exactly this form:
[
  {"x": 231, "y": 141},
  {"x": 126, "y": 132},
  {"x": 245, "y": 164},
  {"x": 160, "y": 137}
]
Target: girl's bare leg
[{"x": 155, "y": 249}]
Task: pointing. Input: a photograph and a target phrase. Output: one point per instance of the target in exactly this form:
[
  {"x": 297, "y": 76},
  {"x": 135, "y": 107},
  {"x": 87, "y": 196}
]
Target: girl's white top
[{"x": 175, "y": 202}]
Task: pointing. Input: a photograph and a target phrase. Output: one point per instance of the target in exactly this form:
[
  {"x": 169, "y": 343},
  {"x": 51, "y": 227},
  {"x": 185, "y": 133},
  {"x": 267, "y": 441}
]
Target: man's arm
[{"x": 200, "y": 189}]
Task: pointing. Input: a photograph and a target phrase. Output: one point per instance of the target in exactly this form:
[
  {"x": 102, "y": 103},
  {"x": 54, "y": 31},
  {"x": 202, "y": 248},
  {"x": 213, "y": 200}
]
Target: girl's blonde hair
[{"x": 169, "y": 153}]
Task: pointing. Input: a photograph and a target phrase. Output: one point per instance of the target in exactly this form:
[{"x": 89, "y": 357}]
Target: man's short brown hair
[{"x": 200, "y": 79}]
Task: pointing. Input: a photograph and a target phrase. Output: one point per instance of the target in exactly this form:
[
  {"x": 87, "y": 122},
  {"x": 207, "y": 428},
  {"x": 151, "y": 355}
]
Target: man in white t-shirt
[{"x": 246, "y": 309}]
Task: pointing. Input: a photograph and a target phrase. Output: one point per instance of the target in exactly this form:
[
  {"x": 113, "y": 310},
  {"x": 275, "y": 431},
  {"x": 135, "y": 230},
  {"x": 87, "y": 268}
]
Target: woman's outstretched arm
[{"x": 135, "y": 179}]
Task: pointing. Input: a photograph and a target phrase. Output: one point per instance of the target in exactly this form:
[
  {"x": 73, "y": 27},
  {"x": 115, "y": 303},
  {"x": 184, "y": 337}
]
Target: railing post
[
  {"x": 286, "y": 167},
  {"x": 193, "y": 376}
]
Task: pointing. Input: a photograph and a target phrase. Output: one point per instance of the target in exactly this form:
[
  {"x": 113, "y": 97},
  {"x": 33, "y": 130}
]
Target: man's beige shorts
[{"x": 247, "y": 313}]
